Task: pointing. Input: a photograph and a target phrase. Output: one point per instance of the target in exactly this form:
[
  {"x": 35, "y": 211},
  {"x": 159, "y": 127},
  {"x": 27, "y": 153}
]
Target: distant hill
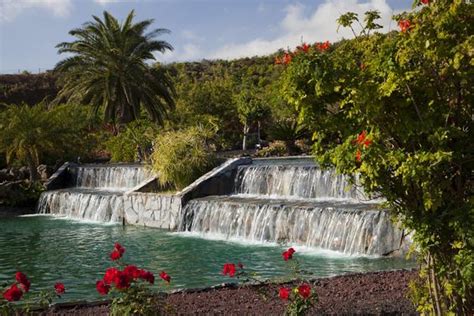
[{"x": 27, "y": 88}]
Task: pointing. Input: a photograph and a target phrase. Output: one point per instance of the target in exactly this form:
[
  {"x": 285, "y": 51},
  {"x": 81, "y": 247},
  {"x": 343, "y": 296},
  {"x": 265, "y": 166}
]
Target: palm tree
[
  {"x": 108, "y": 69},
  {"x": 25, "y": 134}
]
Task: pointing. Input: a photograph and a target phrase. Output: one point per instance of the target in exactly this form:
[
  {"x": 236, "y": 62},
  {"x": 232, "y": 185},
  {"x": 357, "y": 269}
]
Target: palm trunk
[
  {"x": 33, "y": 170},
  {"x": 244, "y": 141}
]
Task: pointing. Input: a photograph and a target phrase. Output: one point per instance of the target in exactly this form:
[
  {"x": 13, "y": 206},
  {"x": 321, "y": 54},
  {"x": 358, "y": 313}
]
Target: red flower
[
  {"x": 404, "y": 25},
  {"x": 118, "y": 252},
  {"x": 147, "y": 276},
  {"x": 132, "y": 271},
  {"x": 358, "y": 155},
  {"x": 229, "y": 268},
  {"x": 323, "y": 46},
  {"x": 288, "y": 254},
  {"x": 119, "y": 248},
  {"x": 102, "y": 287},
  {"x": 165, "y": 276},
  {"x": 363, "y": 140},
  {"x": 285, "y": 293},
  {"x": 59, "y": 288},
  {"x": 425, "y": 1},
  {"x": 122, "y": 280},
  {"x": 13, "y": 293},
  {"x": 304, "y": 290},
  {"x": 305, "y": 47},
  {"x": 110, "y": 275},
  {"x": 23, "y": 280},
  {"x": 115, "y": 255},
  {"x": 287, "y": 58}
]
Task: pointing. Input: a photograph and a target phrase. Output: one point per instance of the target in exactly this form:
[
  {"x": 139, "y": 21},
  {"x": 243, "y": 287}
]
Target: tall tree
[{"x": 109, "y": 69}]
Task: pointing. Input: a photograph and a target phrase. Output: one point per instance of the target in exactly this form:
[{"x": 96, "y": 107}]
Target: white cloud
[
  {"x": 9, "y": 9},
  {"x": 297, "y": 25}
]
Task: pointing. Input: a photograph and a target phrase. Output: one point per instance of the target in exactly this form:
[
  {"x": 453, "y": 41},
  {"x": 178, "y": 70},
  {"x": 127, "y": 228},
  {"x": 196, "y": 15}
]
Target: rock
[{"x": 5, "y": 175}]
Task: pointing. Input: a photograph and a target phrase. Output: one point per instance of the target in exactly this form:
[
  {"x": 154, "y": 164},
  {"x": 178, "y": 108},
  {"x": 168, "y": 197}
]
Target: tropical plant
[
  {"x": 397, "y": 110},
  {"x": 28, "y": 135},
  {"x": 180, "y": 157},
  {"x": 134, "y": 143},
  {"x": 109, "y": 69}
]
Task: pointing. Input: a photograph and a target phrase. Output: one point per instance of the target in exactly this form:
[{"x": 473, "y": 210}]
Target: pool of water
[{"x": 76, "y": 253}]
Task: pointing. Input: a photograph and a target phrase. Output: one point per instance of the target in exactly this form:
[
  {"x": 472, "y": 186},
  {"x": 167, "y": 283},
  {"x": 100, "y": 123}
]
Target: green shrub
[
  {"x": 133, "y": 143},
  {"x": 180, "y": 157},
  {"x": 275, "y": 149}
]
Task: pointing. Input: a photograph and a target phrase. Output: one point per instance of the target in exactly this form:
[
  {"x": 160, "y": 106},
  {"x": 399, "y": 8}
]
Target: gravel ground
[{"x": 377, "y": 293}]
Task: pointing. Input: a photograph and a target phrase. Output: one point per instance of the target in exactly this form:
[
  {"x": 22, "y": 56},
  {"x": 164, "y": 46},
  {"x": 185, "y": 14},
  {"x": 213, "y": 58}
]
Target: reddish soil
[{"x": 378, "y": 293}]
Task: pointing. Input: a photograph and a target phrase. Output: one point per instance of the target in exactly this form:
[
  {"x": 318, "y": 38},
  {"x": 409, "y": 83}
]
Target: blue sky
[{"x": 30, "y": 29}]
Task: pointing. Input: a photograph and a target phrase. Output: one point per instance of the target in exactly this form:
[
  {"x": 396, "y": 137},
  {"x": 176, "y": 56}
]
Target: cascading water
[
  {"x": 295, "y": 204},
  {"x": 97, "y": 194}
]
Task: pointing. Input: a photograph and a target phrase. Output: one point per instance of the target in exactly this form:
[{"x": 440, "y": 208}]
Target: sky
[{"x": 200, "y": 29}]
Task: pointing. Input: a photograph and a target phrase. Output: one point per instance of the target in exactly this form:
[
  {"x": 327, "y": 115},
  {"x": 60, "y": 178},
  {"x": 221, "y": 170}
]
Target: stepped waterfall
[
  {"x": 289, "y": 201},
  {"x": 296, "y": 204},
  {"x": 97, "y": 194}
]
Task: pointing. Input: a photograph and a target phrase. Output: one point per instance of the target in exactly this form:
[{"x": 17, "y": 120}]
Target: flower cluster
[
  {"x": 303, "y": 48},
  {"x": 22, "y": 286},
  {"x": 362, "y": 142},
  {"x": 118, "y": 252},
  {"x": 16, "y": 290},
  {"x": 123, "y": 279}
]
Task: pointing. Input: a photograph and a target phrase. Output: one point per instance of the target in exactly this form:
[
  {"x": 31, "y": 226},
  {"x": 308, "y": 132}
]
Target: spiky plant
[{"x": 109, "y": 69}]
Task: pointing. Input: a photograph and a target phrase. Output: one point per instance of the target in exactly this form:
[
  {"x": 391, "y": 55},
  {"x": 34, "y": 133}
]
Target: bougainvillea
[{"x": 412, "y": 99}]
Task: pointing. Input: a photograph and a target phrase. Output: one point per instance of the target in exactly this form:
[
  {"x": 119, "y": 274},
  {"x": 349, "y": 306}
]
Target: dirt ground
[{"x": 377, "y": 293}]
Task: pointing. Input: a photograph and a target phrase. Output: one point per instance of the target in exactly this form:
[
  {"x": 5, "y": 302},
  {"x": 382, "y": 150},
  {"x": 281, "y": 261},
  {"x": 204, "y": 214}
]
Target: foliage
[
  {"x": 250, "y": 108},
  {"x": 274, "y": 149},
  {"x": 108, "y": 69},
  {"x": 180, "y": 157},
  {"x": 134, "y": 143},
  {"x": 397, "y": 109},
  {"x": 30, "y": 135},
  {"x": 27, "y": 88}
]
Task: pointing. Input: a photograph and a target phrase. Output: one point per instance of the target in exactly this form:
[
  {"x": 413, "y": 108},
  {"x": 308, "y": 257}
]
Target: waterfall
[
  {"x": 349, "y": 228},
  {"x": 110, "y": 177},
  {"x": 298, "y": 181},
  {"x": 295, "y": 204},
  {"x": 80, "y": 204},
  {"x": 98, "y": 193}
]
